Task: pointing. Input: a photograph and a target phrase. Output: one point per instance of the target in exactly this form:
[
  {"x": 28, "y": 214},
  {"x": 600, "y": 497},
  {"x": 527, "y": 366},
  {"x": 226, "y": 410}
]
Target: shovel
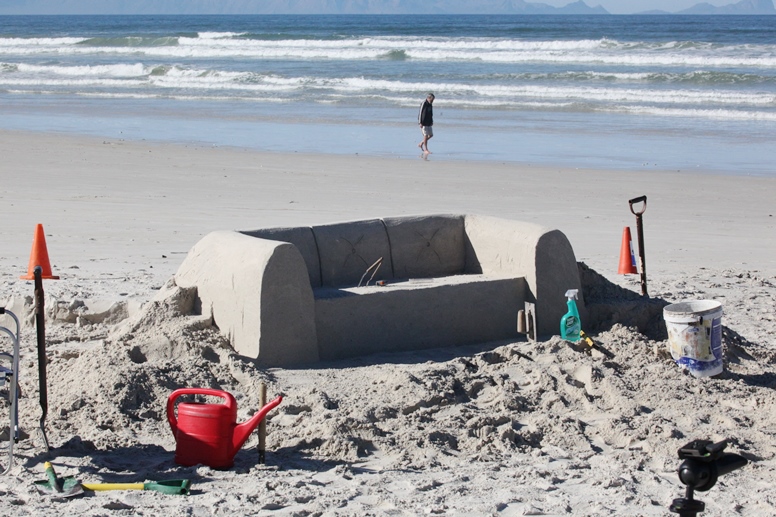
[
  {"x": 171, "y": 486},
  {"x": 592, "y": 344},
  {"x": 69, "y": 486},
  {"x": 640, "y": 231},
  {"x": 58, "y": 487}
]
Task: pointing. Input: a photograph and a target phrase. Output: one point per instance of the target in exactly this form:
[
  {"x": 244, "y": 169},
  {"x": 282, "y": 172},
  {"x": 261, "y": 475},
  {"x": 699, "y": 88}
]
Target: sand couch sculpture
[{"x": 286, "y": 296}]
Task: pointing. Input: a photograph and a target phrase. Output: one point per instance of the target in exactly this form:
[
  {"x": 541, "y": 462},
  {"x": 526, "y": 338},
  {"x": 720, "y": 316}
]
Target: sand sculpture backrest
[
  {"x": 346, "y": 250},
  {"x": 426, "y": 247},
  {"x": 337, "y": 255}
]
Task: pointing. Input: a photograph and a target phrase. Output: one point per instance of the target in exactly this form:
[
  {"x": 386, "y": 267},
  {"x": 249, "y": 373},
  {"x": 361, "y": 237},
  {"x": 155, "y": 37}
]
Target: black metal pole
[
  {"x": 40, "y": 324},
  {"x": 687, "y": 506},
  {"x": 642, "y": 254}
]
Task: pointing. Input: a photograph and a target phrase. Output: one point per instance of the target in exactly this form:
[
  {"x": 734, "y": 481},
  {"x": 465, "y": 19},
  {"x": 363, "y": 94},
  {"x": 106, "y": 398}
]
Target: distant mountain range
[
  {"x": 343, "y": 7},
  {"x": 742, "y": 7}
]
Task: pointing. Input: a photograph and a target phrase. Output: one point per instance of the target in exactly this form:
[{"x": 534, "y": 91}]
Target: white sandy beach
[{"x": 499, "y": 429}]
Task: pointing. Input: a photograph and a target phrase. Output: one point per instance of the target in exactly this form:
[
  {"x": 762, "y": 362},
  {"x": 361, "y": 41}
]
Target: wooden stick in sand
[{"x": 262, "y": 424}]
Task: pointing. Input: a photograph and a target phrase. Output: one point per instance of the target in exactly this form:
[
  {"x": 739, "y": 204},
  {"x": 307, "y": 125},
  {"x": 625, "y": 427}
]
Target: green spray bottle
[{"x": 570, "y": 325}]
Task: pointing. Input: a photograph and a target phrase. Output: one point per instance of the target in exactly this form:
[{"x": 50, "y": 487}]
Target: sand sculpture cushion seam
[
  {"x": 390, "y": 248},
  {"x": 318, "y": 254}
]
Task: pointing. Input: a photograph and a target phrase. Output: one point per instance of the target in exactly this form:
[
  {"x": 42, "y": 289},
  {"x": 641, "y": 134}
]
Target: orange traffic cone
[
  {"x": 627, "y": 258},
  {"x": 39, "y": 257}
]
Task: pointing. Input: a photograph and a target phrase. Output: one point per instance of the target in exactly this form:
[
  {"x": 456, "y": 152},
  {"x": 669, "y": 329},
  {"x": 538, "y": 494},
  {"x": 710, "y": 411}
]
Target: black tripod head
[{"x": 703, "y": 463}]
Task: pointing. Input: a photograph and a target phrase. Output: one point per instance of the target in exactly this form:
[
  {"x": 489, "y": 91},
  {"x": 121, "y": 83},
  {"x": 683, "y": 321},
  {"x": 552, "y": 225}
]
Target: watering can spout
[{"x": 244, "y": 430}]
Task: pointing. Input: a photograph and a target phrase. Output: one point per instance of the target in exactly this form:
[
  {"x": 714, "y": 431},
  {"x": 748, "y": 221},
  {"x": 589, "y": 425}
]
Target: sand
[{"x": 495, "y": 429}]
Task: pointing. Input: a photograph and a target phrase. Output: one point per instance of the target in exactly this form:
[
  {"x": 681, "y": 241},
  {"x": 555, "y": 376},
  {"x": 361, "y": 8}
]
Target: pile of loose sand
[{"x": 548, "y": 428}]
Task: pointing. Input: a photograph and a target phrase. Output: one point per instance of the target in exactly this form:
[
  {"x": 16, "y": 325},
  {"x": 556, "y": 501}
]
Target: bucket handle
[{"x": 230, "y": 402}]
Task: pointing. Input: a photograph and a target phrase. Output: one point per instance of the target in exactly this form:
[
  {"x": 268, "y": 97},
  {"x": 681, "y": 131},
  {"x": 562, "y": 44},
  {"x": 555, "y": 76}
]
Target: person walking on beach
[{"x": 426, "y": 120}]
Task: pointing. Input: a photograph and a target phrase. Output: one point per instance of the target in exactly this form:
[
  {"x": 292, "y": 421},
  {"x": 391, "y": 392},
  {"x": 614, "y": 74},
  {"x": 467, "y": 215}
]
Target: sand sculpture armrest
[
  {"x": 258, "y": 292},
  {"x": 542, "y": 256}
]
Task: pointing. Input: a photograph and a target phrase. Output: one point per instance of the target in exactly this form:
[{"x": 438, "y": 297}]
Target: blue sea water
[{"x": 621, "y": 92}]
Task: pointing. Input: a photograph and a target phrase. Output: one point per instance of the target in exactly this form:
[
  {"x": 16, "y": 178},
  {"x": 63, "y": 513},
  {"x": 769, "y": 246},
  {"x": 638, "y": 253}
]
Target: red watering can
[{"x": 209, "y": 433}]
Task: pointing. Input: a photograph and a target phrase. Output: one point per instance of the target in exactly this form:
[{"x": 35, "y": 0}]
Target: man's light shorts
[{"x": 427, "y": 131}]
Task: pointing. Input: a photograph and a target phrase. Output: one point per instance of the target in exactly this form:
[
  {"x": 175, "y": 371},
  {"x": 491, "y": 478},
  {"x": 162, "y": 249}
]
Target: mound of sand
[{"x": 504, "y": 426}]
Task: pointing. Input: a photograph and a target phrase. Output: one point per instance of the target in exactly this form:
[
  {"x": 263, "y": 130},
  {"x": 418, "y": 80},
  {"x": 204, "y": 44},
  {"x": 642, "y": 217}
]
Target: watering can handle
[{"x": 230, "y": 401}]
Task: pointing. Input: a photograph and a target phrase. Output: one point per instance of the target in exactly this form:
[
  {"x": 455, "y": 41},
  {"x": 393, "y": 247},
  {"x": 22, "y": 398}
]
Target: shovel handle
[
  {"x": 636, "y": 200},
  {"x": 101, "y": 487}
]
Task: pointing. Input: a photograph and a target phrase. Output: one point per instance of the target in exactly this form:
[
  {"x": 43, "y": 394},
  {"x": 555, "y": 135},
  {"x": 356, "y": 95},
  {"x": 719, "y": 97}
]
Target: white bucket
[{"x": 695, "y": 335}]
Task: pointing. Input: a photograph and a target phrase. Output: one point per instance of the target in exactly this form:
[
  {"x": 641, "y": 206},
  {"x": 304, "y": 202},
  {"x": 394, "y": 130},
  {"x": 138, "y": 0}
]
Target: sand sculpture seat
[{"x": 287, "y": 296}]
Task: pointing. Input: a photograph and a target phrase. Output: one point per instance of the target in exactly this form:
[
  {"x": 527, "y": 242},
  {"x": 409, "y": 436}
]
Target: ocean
[{"x": 617, "y": 92}]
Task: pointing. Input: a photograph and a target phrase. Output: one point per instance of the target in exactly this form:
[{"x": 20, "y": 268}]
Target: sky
[{"x": 613, "y": 6}]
